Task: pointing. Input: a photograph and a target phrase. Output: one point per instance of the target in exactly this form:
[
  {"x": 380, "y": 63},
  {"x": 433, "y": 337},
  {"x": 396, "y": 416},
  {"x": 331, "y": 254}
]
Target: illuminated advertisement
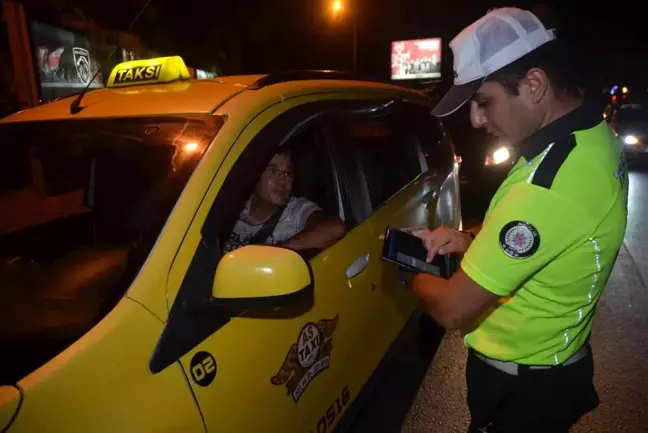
[
  {"x": 416, "y": 59},
  {"x": 64, "y": 60},
  {"x": 202, "y": 75}
]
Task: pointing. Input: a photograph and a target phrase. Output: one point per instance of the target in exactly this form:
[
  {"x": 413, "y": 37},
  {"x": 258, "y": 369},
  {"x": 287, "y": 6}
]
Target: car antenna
[{"x": 76, "y": 107}]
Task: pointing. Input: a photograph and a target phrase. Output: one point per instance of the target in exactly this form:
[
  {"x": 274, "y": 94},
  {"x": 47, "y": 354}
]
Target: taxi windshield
[{"x": 81, "y": 205}]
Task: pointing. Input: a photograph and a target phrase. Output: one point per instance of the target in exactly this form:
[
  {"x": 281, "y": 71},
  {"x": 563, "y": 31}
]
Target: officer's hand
[{"x": 442, "y": 240}]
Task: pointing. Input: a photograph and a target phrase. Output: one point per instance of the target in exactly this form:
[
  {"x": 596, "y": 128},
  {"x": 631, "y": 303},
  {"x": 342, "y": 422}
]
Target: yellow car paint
[
  {"x": 102, "y": 384},
  {"x": 298, "y": 372}
]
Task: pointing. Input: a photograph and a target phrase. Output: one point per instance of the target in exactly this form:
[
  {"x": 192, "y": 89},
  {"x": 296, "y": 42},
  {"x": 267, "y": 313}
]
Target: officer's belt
[{"x": 513, "y": 368}]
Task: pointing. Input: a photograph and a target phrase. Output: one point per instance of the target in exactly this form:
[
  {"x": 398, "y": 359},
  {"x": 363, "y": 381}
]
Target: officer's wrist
[{"x": 469, "y": 233}]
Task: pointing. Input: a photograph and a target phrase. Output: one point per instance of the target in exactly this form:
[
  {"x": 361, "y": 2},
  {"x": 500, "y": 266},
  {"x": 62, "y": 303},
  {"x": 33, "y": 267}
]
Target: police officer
[{"x": 531, "y": 277}]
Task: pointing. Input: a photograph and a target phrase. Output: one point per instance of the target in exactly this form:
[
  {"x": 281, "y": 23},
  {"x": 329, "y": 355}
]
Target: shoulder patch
[
  {"x": 519, "y": 239},
  {"x": 548, "y": 168}
]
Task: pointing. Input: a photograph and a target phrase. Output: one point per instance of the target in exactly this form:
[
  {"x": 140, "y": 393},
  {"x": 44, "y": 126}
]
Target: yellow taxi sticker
[{"x": 159, "y": 70}]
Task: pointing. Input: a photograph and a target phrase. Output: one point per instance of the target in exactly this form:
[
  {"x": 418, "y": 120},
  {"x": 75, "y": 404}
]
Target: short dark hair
[
  {"x": 284, "y": 150},
  {"x": 556, "y": 59}
]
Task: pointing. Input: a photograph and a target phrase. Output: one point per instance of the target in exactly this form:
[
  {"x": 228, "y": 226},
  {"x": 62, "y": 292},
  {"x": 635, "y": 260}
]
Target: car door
[
  {"x": 404, "y": 174},
  {"x": 292, "y": 369}
]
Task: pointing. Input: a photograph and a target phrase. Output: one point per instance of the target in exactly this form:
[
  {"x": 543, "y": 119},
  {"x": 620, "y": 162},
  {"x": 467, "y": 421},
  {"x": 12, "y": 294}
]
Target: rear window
[{"x": 81, "y": 204}]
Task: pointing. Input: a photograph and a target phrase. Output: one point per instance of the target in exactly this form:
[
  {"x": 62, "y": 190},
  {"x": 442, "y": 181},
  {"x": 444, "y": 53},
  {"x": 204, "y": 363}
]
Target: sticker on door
[
  {"x": 307, "y": 358},
  {"x": 203, "y": 368}
]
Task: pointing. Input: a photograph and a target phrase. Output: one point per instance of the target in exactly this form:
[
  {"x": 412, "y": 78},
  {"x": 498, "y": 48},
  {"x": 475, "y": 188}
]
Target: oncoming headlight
[
  {"x": 498, "y": 156},
  {"x": 630, "y": 139}
]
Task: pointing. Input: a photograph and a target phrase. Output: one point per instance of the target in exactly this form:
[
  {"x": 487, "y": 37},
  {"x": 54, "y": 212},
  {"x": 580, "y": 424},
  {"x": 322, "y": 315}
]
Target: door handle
[{"x": 358, "y": 265}]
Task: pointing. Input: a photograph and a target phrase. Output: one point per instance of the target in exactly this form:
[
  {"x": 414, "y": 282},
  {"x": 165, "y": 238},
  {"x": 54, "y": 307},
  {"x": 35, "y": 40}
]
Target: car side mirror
[{"x": 261, "y": 276}]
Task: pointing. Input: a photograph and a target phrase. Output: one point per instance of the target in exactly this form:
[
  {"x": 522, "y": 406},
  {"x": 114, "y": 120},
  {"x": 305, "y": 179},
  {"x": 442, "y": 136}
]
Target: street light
[{"x": 337, "y": 7}]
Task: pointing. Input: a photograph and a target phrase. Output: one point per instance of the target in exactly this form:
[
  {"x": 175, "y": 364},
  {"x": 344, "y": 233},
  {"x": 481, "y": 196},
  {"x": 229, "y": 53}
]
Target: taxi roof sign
[{"x": 150, "y": 71}]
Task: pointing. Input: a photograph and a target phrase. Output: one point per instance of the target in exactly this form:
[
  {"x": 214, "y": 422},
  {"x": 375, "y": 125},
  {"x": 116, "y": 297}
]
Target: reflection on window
[{"x": 81, "y": 205}]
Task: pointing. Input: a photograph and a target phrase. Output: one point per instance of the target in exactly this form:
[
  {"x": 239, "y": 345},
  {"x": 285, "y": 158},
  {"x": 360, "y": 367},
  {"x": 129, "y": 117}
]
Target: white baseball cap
[{"x": 495, "y": 40}]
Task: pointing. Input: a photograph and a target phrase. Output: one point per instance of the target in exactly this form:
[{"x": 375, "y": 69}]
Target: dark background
[
  {"x": 268, "y": 35},
  {"x": 262, "y": 36}
]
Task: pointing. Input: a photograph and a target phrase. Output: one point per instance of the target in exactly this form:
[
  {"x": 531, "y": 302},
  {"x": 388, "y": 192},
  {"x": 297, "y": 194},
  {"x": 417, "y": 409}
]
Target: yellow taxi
[{"x": 120, "y": 310}]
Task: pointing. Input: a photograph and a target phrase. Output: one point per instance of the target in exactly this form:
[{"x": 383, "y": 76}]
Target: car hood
[
  {"x": 46, "y": 307},
  {"x": 34, "y": 331},
  {"x": 10, "y": 400}
]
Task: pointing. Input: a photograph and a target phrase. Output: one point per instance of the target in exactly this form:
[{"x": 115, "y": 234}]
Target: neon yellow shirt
[{"x": 549, "y": 241}]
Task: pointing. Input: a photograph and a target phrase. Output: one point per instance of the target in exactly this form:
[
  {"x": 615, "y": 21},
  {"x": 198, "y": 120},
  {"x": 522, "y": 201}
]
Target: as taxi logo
[
  {"x": 138, "y": 73},
  {"x": 307, "y": 358}
]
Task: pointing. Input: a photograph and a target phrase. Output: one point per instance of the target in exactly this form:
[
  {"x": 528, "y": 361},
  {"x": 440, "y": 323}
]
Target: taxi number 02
[{"x": 327, "y": 421}]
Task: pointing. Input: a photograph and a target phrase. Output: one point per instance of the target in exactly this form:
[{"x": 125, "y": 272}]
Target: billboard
[
  {"x": 202, "y": 75},
  {"x": 64, "y": 60},
  {"x": 416, "y": 59}
]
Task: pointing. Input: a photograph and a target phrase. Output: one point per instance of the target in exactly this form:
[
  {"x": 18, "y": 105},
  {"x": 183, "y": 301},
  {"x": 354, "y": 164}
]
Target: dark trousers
[{"x": 535, "y": 401}]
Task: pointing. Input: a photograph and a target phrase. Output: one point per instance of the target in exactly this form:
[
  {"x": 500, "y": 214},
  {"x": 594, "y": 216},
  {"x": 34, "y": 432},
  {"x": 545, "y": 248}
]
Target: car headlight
[
  {"x": 630, "y": 139},
  {"x": 498, "y": 156}
]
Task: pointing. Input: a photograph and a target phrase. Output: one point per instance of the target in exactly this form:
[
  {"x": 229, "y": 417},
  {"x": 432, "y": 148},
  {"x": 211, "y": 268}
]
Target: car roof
[{"x": 202, "y": 96}]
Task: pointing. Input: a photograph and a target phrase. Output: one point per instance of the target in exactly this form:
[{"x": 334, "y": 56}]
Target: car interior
[
  {"x": 379, "y": 158},
  {"x": 314, "y": 177},
  {"x": 386, "y": 156}
]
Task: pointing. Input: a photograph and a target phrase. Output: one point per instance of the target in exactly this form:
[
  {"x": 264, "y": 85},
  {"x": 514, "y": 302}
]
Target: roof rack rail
[{"x": 284, "y": 77}]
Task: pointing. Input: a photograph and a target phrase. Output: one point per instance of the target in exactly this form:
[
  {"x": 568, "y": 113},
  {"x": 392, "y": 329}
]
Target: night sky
[{"x": 269, "y": 35}]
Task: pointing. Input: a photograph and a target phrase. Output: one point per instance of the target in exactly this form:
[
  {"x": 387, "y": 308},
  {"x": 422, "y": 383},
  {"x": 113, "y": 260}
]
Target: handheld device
[{"x": 408, "y": 251}]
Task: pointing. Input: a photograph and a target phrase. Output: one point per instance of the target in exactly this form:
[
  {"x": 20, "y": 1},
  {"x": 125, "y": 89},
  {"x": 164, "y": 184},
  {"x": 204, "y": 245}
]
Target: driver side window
[
  {"x": 293, "y": 201},
  {"x": 314, "y": 180}
]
